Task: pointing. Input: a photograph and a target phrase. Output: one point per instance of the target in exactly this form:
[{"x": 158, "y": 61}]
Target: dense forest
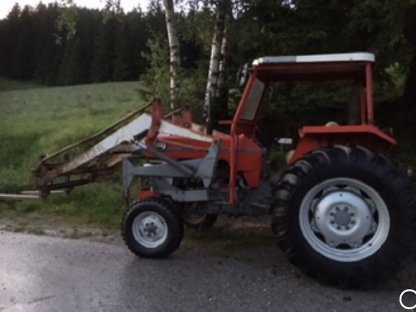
[
  {"x": 65, "y": 45},
  {"x": 37, "y": 44}
]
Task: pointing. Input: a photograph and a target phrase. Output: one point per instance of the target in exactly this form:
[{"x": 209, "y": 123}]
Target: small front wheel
[{"x": 152, "y": 229}]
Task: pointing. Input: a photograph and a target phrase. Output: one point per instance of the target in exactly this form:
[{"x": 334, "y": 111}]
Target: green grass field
[{"x": 38, "y": 120}]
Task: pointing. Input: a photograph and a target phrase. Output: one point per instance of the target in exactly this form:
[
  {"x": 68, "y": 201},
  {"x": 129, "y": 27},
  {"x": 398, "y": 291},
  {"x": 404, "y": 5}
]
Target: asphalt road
[{"x": 40, "y": 273}]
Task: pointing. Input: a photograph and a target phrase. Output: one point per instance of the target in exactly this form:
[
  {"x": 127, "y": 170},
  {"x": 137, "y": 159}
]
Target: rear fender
[{"x": 313, "y": 138}]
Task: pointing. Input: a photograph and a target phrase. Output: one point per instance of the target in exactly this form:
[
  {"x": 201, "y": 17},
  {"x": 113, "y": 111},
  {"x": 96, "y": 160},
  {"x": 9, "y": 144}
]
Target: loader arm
[{"x": 83, "y": 162}]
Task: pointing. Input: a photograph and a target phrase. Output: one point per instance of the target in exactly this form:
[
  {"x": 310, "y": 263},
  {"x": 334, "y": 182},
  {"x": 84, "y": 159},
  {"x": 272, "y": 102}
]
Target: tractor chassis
[{"x": 204, "y": 198}]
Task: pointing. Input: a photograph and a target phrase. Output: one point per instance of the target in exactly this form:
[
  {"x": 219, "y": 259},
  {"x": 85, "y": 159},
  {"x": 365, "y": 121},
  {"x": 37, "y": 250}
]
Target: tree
[
  {"x": 46, "y": 51},
  {"x": 214, "y": 64},
  {"x": 408, "y": 107},
  {"x": 217, "y": 58},
  {"x": 24, "y": 55},
  {"x": 10, "y": 28},
  {"x": 121, "y": 63},
  {"x": 174, "y": 49},
  {"x": 77, "y": 59},
  {"x": 104, "y": 49}
]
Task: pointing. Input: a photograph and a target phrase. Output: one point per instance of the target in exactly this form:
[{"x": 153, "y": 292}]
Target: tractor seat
[
  {"x": 332, "y": 124},
  {"x": 290, "y": 153}
]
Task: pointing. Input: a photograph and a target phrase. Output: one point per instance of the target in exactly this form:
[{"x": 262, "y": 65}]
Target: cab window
[{"x": 253, "y": 100}]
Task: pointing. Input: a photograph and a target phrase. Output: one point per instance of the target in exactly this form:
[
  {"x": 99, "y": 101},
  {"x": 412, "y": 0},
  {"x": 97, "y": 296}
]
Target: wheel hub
[
  {"x": 343, "y": 218},
  {"x": 149, "y": 229}
]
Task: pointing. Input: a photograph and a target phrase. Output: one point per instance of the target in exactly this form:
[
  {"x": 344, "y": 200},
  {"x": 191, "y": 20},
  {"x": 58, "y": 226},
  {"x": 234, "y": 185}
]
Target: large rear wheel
[{"x": 345, "y": 216}]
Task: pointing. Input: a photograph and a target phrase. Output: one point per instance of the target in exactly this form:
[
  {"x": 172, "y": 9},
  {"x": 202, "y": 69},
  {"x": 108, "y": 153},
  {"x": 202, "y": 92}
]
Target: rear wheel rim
[
  {"x": 344, "y": 219},
  {"x": 150, "y": 229}
]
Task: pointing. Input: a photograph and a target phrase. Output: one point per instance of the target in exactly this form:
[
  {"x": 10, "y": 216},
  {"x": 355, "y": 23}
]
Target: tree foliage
[
  {"x": 113, "y": 45},
  {"x": 69, "y": 45}
]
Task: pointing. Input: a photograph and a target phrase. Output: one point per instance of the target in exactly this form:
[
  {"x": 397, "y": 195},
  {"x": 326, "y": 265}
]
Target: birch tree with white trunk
[
  {"x": 173, "y": 52},
  {"x": 222, "y": 63},
  {"x": 218, "y": 55},
  {"x": 214, "y": 63}
]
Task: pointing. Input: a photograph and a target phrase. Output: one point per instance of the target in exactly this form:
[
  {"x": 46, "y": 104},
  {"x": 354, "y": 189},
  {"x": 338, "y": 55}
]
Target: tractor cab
[
  {"x": 351, "y": 67},
  {"x": 266, "y": 71}
]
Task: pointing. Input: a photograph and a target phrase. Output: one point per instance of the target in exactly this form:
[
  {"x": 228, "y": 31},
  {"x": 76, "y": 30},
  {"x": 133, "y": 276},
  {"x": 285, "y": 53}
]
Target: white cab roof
[{"x": 316, "y": 58}]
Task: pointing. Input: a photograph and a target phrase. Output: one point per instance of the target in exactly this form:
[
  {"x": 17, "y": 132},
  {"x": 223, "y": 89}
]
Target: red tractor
[{"x": 342, "y": 212}]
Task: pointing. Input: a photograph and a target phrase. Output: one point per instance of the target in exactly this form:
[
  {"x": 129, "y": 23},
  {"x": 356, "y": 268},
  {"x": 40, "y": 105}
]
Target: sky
[{"x": 128, "y": 5}]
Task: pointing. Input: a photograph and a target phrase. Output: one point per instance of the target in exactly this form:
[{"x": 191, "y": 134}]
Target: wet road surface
[{"x": 40, "y": 273}]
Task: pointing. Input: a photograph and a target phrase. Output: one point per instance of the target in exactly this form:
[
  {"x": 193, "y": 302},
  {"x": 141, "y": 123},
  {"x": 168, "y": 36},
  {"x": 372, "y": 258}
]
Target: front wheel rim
[
  {"x": 344, "y": 219},
  {"x": 150, "y": 229}
]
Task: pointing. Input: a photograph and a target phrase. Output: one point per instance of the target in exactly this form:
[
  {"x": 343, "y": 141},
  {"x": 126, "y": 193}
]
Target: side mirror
[{"x": 242, "y": 75}]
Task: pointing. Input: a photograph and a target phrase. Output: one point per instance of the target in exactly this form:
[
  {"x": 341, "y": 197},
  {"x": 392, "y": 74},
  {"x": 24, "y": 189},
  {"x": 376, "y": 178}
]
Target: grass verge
[{"x": 39, "y": 120}]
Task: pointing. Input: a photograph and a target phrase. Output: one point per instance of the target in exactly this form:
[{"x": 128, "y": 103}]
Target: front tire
[
  {"x": 345, "y": 216},
  {"x": 152, "y": 229}
]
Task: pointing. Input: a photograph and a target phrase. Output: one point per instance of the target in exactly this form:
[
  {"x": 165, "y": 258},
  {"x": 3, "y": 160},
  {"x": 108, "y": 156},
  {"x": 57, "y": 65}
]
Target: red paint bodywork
[
  {"x": 146, "y": 194},
  {"x": 240, "y": 149},
  {"x": 312, "y": 138}
]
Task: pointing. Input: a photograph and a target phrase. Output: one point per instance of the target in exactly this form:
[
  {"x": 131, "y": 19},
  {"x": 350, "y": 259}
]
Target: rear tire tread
[{"x": 361, "y": 162}]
